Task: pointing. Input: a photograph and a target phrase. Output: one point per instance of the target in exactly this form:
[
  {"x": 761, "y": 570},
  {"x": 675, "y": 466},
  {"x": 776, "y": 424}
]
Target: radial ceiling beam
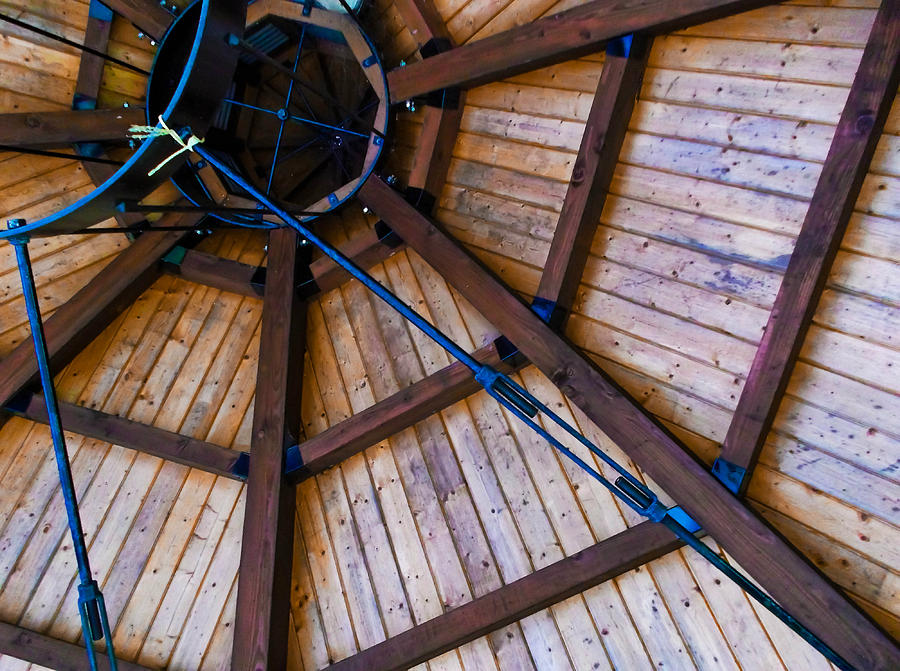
[
  {"x": 512, "y": 602},
  {"x": 78, "y": 321},
  {"x": 394, "y": 414},
  {"x": 136, "y": 436},
  {"x": 264, "y": 578},
  {"x": 423, "y": 20},
  {"x": 791, "y": 579},
  {"x": 846, "y": 165},
  {"x": 561, "y": 37},
  {"x": 32, "y": 129},
  {"x": 214, "y": 271},
  {"x": 604, "y": 134},
  {"x": 148, "y": 15},
  {"x": 52, "y": 653}
]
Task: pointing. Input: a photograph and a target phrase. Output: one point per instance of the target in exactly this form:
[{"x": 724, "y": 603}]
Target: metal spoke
[
  {"x": 287, "y": 102},
  {"x": 336, "y": 129}
]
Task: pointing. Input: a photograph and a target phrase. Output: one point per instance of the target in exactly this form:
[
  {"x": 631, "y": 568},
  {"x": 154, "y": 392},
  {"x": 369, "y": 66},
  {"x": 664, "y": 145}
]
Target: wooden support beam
[
  {"x": 90, "y": 70},
  {"x": 31, "y": 129},
  {"x": 366, "y": 250},
  {"x": 561, "y": 37},
  {"x": 512, "y": 602},
  {"x": 394, "y": 414},
  {"x": 264, "y": 579},
  {"x": 846, "y": 165},
  {"x": 147, "y": 15},
  {"x": 789, "y": 577},
  {"x": 214, "y": 271},
  {"x": 52, "y": 653},
  {"x": 604, "y": 133},
  {"x": 423, "y": 20},
  {"x": 431, "y": 159},
  {"x": 90, "y": 310},
  {"x": 135, "y": 436}
]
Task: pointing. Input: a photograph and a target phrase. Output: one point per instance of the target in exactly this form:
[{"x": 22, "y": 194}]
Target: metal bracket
[
  {"x": 175, "y": 255},
  {"x": 508, "y": 352},
  {"x": 293, "y": 460},
  {"x": 241, "y": 466},
  {"x": 621, "y": 46},
  {"x": 549, "y": 311},
  {"x": 678, "y": 514},
  {"x": 729, "y": 474},
  {"x": 386, "y": 235},
  {"x": 420, "y": 199}
]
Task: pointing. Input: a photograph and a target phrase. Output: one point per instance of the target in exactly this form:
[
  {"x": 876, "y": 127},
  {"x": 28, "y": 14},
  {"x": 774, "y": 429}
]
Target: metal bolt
[
  {"x": 15, "y": 223},
  {"x": 152, "y": 43},
  {"x": 304, "y": 242},
  {"x": 265, "y": 248},
  {"x": 392, "y": 179},
  {"x": 140, "y": 36},
  {"x": 402, "y": 63},
  {"x": 365, "y": 210}
]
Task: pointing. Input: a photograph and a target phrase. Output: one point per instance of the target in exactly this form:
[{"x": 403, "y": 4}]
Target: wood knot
[
  {"x": 32, "y": 121},
  {"x": 578, "y": 173},
  {"x": 864, "y": 122}
]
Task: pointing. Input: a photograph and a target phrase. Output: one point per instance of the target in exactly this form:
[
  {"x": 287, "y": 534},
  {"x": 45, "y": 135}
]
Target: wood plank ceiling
[{"x": 724, "y": 248}]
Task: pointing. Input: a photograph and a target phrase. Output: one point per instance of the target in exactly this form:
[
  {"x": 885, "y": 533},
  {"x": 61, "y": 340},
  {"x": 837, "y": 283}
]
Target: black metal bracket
[
  {"x": 447, "y": 98},
  {"x": 729, "y": 474},
  {"x": 241, "y": 466},
  {"x": 549, "y": 311},
  {"x": 420, "y": 199},
  {"x": 386, "y": 235},
  {"x": 293, "y": 460}
]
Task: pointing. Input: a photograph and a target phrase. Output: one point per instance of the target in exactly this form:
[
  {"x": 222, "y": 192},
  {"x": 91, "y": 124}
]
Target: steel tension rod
[
  {"x": 526, "y": 407},
  {"x": 94, "y": 620}
]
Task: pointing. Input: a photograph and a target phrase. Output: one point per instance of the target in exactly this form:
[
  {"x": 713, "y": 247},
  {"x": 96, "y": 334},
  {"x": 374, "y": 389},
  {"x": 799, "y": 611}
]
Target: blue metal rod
[
  {"x": 95, "y": 625},
  {"x": 525, "y": 406},
  {"x": 287, "y": 102},
  {"x": 336, "y": 129}
]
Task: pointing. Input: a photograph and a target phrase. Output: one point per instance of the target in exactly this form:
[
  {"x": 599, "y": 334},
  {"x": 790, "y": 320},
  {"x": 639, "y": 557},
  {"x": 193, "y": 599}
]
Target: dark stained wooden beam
[
  {"x": 145, "y": 14},
  {"x": 90, "y": 70},
  {"x": 512, "y": 602},
  {"x": 423, "y": 20},
  {"x": 52, "y": 653},
  {"x": 561, "y": 37},
  {"x": 90, "y": 310},
  {"x": 846, "y": 165},
  {"x": 394, "y": 414},
  {"x": 214, "y": 271},
  {"x": 366, "y": 250},
  {"x": 604, "y": 133},
  {"x": 264, "y": 579},
  {"x": 32, "y": 129},
  {"x": 136, "y": 436},
  {"x": 431, "y": 159},
  {"x": 785, "y": 574}
]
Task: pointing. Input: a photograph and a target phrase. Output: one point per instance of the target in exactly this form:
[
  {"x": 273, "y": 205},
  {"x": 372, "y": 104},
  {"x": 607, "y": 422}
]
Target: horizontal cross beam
[
  {"x": 394, "y": 414},
  {"x": 35, "y": 129},
  {"x": 512, "y": 602},
  {"x": 136, "y": 436}
]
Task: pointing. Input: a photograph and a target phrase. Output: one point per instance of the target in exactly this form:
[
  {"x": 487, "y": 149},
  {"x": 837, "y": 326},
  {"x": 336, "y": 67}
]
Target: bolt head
[{"x": 140, "y": 36}]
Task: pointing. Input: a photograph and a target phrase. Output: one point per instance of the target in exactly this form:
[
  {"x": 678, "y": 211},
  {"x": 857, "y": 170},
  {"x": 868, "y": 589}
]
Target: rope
[{"x": 144, "y": 132}]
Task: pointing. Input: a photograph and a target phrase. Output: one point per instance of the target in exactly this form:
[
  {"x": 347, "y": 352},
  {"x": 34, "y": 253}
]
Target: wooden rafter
[
  {"x": 394, "y": 414},
  {"x": 147, "y": 15},
  {"x": 264, "y": 578},
  {"x": 31, "y": 646},
  {"x": 760, "y": 550},
  {"x": 24, "y": 129},
  {"x": 569, "y": 34},
  {"x": 846, "y": 165},
  {"x": 220, "y": 273},
  {"x": 604, "y": 133},
  {"x": 77, "y": 322},
  {"x": 512, "y": 602},
  {"x": 134, "y": 435}
]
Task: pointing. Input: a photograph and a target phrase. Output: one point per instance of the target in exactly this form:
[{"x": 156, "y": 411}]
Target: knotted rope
[{"x": 144, "y": 132}]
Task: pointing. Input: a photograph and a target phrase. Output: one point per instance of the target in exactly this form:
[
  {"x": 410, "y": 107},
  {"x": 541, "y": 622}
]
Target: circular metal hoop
[{"x": 207, "y": 74}]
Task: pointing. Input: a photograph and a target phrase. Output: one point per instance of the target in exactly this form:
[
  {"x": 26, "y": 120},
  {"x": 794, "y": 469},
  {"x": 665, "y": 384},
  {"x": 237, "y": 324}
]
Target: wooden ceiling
[{"x": 691, "y": 245}]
